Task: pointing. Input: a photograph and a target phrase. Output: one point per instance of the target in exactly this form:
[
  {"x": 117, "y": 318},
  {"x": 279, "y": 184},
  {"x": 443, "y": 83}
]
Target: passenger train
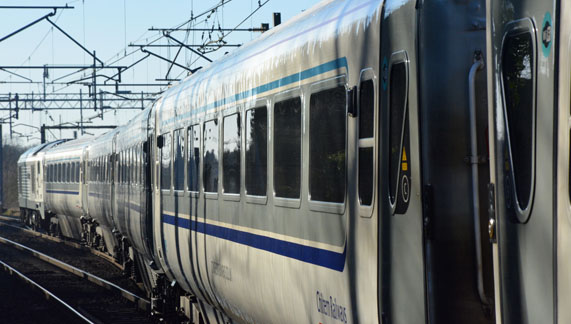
[{"x": 396, "y": 161}]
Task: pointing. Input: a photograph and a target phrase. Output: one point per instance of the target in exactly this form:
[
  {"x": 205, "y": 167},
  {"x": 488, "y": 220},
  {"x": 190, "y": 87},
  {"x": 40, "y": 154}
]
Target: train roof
[
  {"x": 39, "y": 148},
  {"x": 301, "y": 35}
]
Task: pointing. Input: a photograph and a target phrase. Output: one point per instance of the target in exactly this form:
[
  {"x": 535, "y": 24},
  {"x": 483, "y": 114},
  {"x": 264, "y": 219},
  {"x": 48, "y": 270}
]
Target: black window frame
[
  {"x": 224, "y": 172},
  {"x": 281, "y": 200},
  {"x": 367, "y": 142},
  {"x": 320, "y": 88},
  {"x": 249, "y": 196},
  {"x": 516, "y": 29},
  {"x": 211, "y": 194},
  {"x": 398, "y": 201}
]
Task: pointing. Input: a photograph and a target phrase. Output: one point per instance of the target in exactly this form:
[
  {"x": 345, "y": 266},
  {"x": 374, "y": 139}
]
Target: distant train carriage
[
  {"x": 31, "y": 184},
  {"x": 63, "y": 187}
]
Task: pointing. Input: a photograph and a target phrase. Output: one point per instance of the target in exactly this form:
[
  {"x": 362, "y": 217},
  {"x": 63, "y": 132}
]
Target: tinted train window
[
  {"x": 256, "y": 151},
  {"x": 231, "y": 154},
  {"x": 327, "y": 145},
  {"x": 287, "y": 148},
  {"x": 60, "y": 172},
  {"x": 178, "y": 162},
  {"x": 399, "y": 153},
  {"x": 193, "y": 156},
  {"x": 210, "y": 168},
  {"x": 76, "y": 171},
  {"x": 517, "y": 74},
  {"x": 72, "y": 172},
  {"x": 166, "y": 162},
  {"x": 366, "y": 146}
]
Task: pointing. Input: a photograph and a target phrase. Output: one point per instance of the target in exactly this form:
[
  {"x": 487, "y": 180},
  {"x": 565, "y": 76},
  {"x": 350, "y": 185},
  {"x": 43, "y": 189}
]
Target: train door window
[
  {"x": 166, "y": 162},
  {"x": 193, "y": 157},
  {"x": 231, "y": 154},
  {"x": 210, "y": 160},
  {"x": 399, "y": 153},
  {"x": 256, "y": 151},
  {"x": 327, "y": 163},
  {"x": 287, "y": 148},
  {"x": 366, "y": 142},
  {"x": 518, "y": 77},
  {"x": 178, "y": 162}
]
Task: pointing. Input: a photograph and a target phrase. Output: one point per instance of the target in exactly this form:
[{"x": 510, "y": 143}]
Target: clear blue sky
[{"x": 107, "y": 26}]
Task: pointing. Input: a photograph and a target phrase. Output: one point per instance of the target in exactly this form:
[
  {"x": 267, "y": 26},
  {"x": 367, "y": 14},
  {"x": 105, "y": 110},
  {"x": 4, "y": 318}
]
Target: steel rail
[
  {"x": 72, "y": 244},
  {"x": 46, "y": 292},
  {"x": 142, "y": 303}
]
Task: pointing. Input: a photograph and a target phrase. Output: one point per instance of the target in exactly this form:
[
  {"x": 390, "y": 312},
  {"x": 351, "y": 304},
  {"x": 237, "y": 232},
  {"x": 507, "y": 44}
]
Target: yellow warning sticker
[
  {"x": 404, "y": 166},
  {"x": 404, "y": 154}
]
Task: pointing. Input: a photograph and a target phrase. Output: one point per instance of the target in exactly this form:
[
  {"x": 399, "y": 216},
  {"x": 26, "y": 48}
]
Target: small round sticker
[
  {"x": 405, "y": 188},
  {"x": 546, "y": 34}
]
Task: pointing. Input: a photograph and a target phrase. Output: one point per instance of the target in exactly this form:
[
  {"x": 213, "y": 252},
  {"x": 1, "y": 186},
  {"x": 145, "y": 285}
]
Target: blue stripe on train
[
  {"x": 324, "y": 258},
  {"x": 63, "y": 192}
]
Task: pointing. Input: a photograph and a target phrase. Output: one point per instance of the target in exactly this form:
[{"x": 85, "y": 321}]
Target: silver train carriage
[
  {"x": 31, "y": 185},
  {"x": 388, "y": 161},
  {"x": 64, "y": 191}
]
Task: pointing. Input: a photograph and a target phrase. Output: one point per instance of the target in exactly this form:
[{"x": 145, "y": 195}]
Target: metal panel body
[
  {"x": 130, "y": 202},
  {"x": 64, "y": 197},
  {"x": 402, "y": 244},
  {"x": 526, "y": 249},
  {"x": 269, "y": 259},
  {"x": 450, "y": 34},
  {"x": 100, "y": 194},
  {"x": 563, "y": 270}
]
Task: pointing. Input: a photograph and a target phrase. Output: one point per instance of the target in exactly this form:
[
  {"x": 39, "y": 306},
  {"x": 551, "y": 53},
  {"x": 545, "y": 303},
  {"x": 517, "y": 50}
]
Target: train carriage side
[
  {"x": 63, "y": 195},
  {"x": 255, "y": 178},
  {"x": 131, "y": 184},
  {"x": 98, "y": 185}
]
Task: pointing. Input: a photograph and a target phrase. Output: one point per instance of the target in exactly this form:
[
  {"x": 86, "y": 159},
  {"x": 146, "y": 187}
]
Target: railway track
[{"x": 84, "y": 296}]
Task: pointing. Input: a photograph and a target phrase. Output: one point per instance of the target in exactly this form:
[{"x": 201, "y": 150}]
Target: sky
[{"x": 108, "y": 27}]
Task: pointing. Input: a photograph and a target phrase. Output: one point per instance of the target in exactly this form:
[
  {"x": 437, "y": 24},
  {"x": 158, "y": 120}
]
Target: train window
[
  {"x": 231, "y": 154},
  {"x": 76, "y": 171},
  {"x": 256, "y": 151},
  {"x": 72, "y": 172},
  {"x": 166, "y": 162},
  {"x": 131, "y": 169},
  {"x": 327, "y": 119},
  {"x": 178, "y": 159},
  {"x": 59, "y": 172},
  {"x": 193, "y": 156},
  {"x": 399, "y": 153},
  {"x": 210, "y": 168},
  {"x": 518, "y": 84},
  {"x": 124, "y": 166},
  {"x": 287, "y": 148},
  {"x": 366, "y": 141}
]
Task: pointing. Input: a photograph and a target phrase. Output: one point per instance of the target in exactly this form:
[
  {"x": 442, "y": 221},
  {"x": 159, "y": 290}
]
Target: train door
[
  {"x": 83, "y": 183},
  {"x": 564, "y": 166},
  {"x": 401, "y": 235},
  {"x": 522, "y": 50}
]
